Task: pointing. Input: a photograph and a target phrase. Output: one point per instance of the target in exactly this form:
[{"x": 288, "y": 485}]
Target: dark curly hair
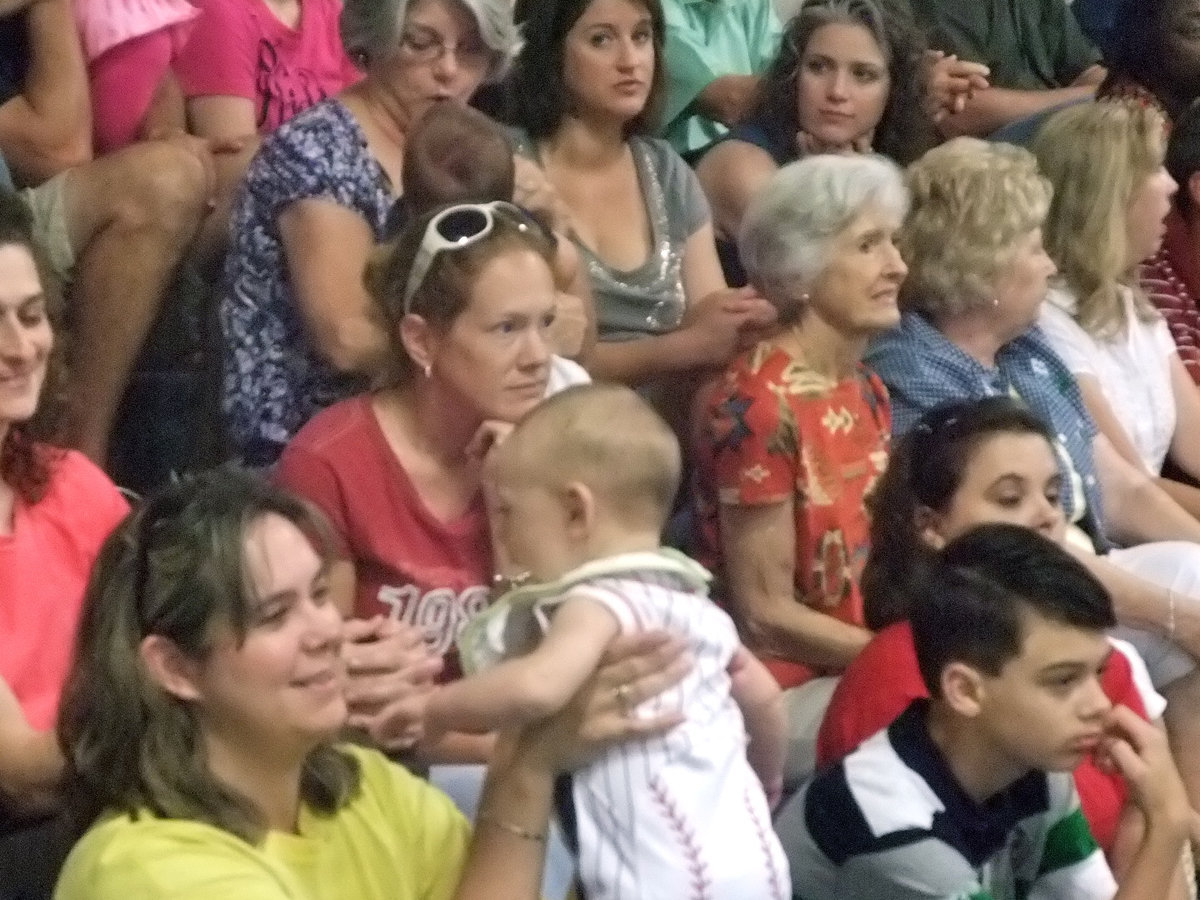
[
  {"x": 906, "y": 130},
  {"x": 28, "y": 456}
]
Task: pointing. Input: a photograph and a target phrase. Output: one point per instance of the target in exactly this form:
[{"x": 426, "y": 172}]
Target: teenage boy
[{"x": 969, "y": 794}]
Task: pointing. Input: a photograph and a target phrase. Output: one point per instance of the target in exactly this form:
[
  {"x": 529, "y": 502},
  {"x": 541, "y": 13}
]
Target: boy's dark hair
[
  {"x": 925, "y": 470},
  {"x": 980, "y": 591},
  {"x": 538, "y": 98},
  {"x": 1183, "y": 154},
  {"x": 455, "y": 154}
]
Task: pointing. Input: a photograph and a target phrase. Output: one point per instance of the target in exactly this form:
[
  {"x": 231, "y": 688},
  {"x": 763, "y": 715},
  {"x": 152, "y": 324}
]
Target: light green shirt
[{"x": 705, "y": 40}]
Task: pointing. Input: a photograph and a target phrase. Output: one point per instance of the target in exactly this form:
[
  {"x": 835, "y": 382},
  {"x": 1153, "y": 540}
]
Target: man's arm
[
  {"x": 534, "y": 686},
  {"x": 48, "y": 128},
  {"x": 994, "y": 107}
]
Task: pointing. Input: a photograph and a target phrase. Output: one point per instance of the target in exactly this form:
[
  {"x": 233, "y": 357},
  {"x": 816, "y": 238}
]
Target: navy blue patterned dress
[{"x": 274, "y": 379}]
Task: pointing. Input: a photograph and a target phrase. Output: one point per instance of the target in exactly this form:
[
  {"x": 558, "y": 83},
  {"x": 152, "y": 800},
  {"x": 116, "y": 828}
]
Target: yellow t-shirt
[{"x": 398, "y": 839}]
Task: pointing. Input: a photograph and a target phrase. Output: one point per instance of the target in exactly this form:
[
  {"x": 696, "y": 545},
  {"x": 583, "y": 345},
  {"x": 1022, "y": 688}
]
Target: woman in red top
[
  {"x": 56, "y": 508},
  {"x": 398, "y": 471},
  {"x": 962, "y": 465},
  {"x": 797, "y": 431}
]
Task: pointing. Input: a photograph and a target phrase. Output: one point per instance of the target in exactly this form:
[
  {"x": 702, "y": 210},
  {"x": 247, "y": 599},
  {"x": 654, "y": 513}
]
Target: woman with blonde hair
[{"x": 1098, "y": 318}]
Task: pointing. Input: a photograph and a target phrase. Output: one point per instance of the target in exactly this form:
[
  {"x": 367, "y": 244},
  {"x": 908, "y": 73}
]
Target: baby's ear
[{"x": 580, "y": 507}]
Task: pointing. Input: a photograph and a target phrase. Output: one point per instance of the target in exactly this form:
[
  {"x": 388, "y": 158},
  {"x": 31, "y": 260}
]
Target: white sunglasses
[{"x": 454, "y": 228}]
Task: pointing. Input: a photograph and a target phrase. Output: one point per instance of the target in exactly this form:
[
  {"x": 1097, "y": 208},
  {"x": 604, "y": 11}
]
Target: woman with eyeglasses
[
  {"x": 56, "y": 509},
  {"x": 202, "y": 719},
  {"x": 468, "y": 296},
  {"x": 586, "y": 90},
  {"x": 299, "y": 327}
]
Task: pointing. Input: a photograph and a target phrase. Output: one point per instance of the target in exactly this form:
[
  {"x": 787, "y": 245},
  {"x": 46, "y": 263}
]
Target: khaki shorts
[{"x": 48, "y": 206}]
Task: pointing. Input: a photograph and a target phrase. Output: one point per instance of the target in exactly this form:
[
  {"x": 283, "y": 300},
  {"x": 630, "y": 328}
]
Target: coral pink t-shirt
[
  {"x": 411, "y": 566},
  {"x": 884, "y": 678},
  {"x": 238, "y": 48},
  {"x": 44, "y": 567}
]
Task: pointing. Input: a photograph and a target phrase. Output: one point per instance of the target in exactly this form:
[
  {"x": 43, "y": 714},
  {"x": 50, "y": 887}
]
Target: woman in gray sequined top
[{"x": 587, "y": 87}]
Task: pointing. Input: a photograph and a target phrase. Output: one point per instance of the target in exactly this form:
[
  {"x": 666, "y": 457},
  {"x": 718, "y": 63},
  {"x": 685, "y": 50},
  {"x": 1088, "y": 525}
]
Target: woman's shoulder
[
  {"x": 78, "y": 484},
  {"x": 390, "y": 793},
  {"x": 664, "y": 158},
  {"x": 142, "y": 855},
  {"x": 343, "y": 424}
]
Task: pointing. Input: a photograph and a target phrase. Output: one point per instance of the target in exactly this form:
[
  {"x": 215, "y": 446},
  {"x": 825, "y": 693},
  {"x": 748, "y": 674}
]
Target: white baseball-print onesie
[{"x": 682, "y": 816}]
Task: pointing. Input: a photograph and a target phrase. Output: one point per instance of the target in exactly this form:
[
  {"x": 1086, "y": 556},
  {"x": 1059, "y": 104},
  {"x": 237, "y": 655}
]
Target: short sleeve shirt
[
  {"x": 45, "y": 563},
  {"x": 274, "y": 378},
  {"x": 776, "y": 430},
  {"x": 411, "y": 566},
  {"x": 238, "y": 48},
  {"x": 884, "y": 679},
  {"x": 1027, "y": 44},
  {"x": 650, "y": 299},
  {"x": 706, "y": 39},
  {"x": 922, "y": 368},
  {"x": 1132, "y": 367},
  {"x": 396, "y": 838},
  {"x": 891, "y": 821}
]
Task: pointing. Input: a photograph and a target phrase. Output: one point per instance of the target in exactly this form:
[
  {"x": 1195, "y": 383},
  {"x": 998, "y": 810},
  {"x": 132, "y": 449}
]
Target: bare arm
[
  {"x": 1142, "y": 604},
  {"x": 1106, "y": 420},
  {"x": 534, "y": 686},
  {"x": 1185, "y": 443},
  {"x": 731, "y": 173},
  {"x": 760, "y": 551},
  {"x": 30, "y": 762},
  {"x": 761, "y": 701},
  {"x": 1138, "y": 510},
  {"x": 728, "y": 98},
  {"x": 48, "y": 127},
  {"x": 223, "y": 119},
  {"x": 166, "y": 114},
  {"x": 1139, "y": 752},
  {"x": 502, "y": 865},
  {"x": 990, "y": 109},
  {"x": 327, "y": 246}
]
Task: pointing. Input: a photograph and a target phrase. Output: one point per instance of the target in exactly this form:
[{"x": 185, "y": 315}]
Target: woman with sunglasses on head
[
  {"x": 963, "y": 465},
  {"x": 56, "y": 509},
  {"x": 586, "y": 91},
  {"x": 468, "y": 296},
  {"x": 202, "y": 715},
  {"x": 300, "y": 329}
]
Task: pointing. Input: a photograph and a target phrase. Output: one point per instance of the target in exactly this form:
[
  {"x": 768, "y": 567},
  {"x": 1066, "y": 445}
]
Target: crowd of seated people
[{"x": 892, "y": 310}]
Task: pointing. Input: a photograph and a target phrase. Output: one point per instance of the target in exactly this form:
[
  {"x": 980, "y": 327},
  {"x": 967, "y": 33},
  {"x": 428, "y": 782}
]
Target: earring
[{"x": 428, "y": 370}]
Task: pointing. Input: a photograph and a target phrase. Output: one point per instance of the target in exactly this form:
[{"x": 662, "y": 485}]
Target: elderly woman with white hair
[
  {"x": 797, "y": 432},
  {"x": 299, "y": 327}
]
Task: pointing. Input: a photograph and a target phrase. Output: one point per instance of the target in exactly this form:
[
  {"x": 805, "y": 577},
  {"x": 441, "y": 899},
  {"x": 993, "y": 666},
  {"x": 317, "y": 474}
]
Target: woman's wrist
[{"x": 519, "y": 790}]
